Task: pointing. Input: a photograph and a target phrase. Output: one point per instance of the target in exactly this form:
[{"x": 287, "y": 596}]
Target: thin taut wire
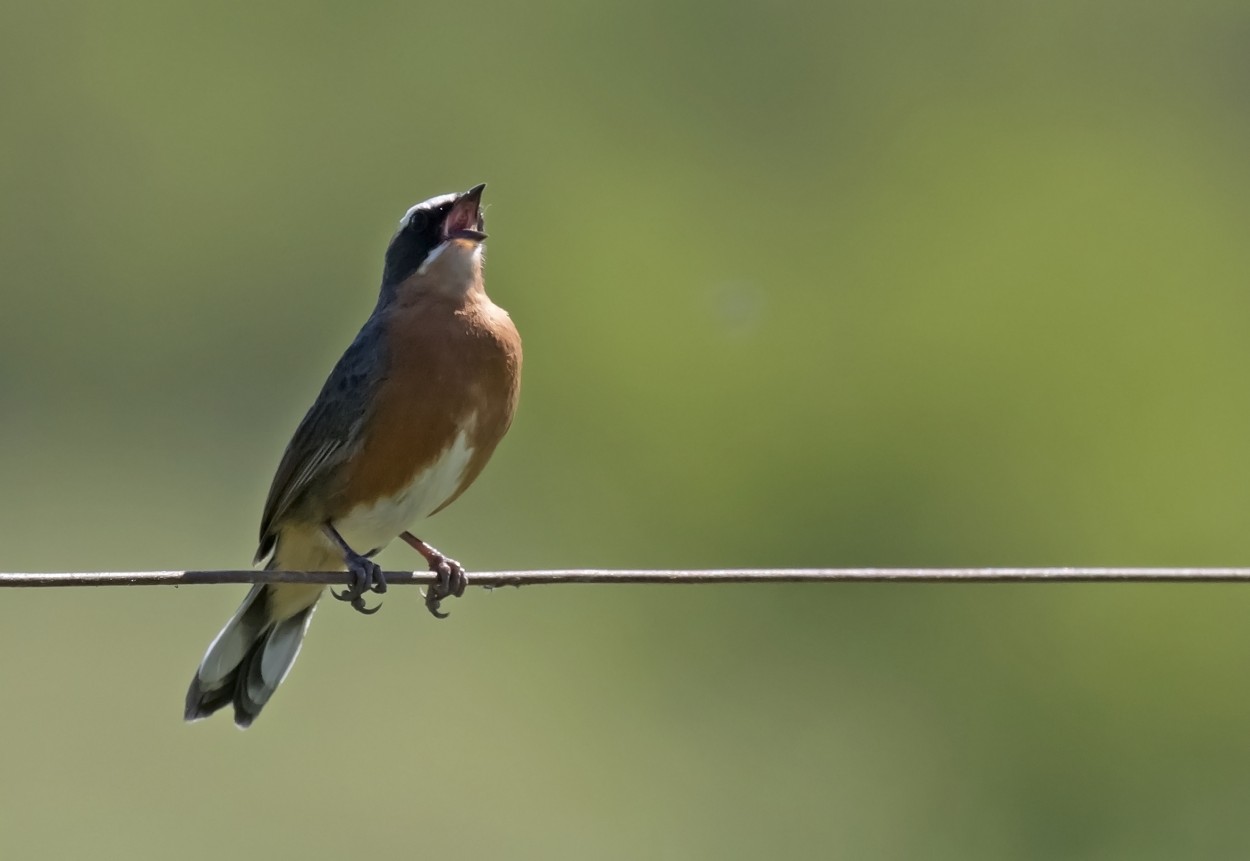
[{"x": 620, "y": 576}]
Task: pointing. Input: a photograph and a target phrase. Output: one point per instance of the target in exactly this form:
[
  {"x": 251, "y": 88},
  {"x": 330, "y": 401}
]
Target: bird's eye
[{"x": 418, "y": 220}]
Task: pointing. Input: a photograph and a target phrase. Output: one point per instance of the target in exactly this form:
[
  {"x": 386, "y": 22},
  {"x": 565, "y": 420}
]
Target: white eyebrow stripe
[{"x": 432, "y": 203}]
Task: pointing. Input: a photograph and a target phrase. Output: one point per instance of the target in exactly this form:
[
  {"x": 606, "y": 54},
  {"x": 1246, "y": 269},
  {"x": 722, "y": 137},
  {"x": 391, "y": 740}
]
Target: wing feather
[{"x": 329, "y": 431}]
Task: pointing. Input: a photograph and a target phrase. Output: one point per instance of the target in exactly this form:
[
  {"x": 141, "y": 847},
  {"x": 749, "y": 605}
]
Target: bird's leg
[
  {"x": 366, "y": 575},
  {"x": 451, "y": 578}
]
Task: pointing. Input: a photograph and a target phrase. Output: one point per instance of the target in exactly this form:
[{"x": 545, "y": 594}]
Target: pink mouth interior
[{"x": 463, "y": 216}]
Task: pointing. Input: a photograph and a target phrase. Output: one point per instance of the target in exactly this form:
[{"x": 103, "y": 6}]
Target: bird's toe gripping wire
[
  {"x": 364, "y": 575},
  {"x": 450, "y": 577}
]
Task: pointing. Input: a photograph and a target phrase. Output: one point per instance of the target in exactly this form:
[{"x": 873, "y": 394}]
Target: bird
[{"x": 406, "y": 421}]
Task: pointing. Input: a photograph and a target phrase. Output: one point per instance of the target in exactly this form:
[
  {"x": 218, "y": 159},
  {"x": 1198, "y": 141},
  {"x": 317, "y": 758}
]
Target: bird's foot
[
  {"x": 366, "y": 576},
  {"x": 450, "y": 583},
  {"x": 450, "y": 577}
]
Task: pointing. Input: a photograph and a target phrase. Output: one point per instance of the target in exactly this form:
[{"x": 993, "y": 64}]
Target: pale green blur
[{"x": 800, "y": 284}]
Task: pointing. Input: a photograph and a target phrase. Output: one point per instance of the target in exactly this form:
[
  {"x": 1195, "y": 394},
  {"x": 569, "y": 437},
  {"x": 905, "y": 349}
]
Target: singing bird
[{"x": 406, "y": 421}]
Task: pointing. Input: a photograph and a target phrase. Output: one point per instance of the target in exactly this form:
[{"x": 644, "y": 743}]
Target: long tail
[{"x": 251, "y": 656}]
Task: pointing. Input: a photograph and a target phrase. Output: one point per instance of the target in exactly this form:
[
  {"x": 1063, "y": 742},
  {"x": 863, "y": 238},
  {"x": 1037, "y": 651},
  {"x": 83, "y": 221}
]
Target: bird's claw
[
  {"x": 357, "y": 601},
  {"x": 450, "y": 582},
  {"x": 366, "y": 576}
]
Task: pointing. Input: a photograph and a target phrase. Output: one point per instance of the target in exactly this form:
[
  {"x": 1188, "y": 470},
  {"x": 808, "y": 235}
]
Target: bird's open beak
[{"x": 465, "y": 219}]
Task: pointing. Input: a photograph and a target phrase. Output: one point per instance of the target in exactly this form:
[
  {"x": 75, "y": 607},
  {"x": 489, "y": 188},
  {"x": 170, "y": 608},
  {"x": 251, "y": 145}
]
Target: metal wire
[{"x": 632, "y": 576}]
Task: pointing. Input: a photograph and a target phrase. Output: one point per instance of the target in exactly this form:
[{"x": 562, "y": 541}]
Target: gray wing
[{"x": 328, "y": 432}]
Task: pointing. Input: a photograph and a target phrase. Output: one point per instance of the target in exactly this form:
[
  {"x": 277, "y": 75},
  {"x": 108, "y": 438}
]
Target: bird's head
[{"x": 444, "y": 232}]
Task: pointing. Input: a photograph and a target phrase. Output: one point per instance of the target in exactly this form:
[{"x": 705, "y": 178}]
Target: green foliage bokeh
[{"x": 800, "y": 284}]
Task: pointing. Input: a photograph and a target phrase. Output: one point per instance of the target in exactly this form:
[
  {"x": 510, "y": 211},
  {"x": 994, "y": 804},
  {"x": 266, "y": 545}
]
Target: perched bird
[{"x": 405, "y": 422}]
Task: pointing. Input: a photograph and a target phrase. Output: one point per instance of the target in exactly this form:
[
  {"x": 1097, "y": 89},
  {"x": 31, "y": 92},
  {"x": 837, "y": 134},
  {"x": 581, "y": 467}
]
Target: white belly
[{"x": 374, "y": 526}]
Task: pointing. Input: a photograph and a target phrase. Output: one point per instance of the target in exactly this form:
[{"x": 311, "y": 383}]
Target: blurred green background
[{"x": 800, "y": 284}]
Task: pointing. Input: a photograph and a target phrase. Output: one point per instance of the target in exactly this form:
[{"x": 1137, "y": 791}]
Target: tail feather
[
  {"x": 236, "y": 638},
  {"x": 248, "y": 660},
  {"x": 267, "y": 664}
]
